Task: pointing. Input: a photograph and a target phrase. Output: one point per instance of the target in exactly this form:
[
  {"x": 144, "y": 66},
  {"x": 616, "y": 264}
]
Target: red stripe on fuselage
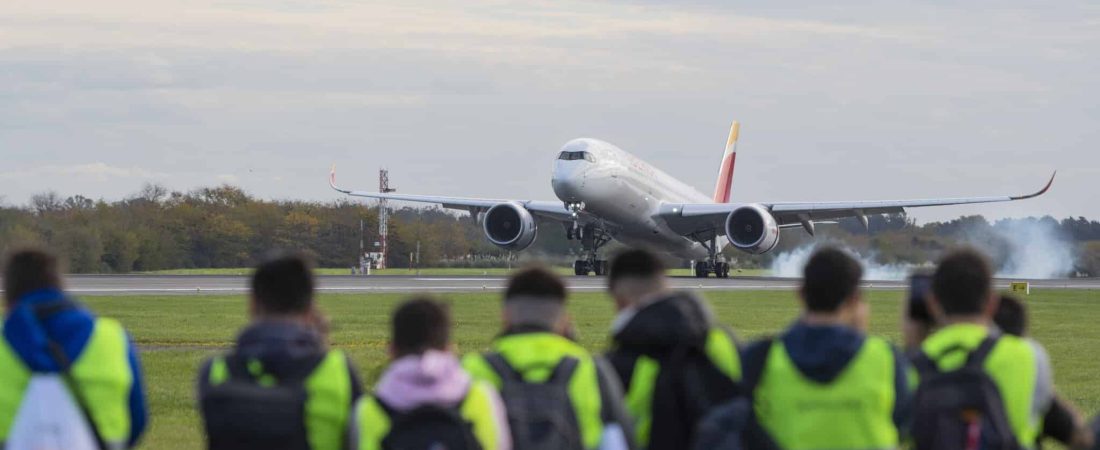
[{"x": 725, "y": 180}]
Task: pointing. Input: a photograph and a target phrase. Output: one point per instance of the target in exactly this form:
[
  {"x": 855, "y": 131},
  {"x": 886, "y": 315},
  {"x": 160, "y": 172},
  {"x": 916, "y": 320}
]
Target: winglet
[
  {"x": 1041, "y": 191},
  {"x": 332, "y": 180}
]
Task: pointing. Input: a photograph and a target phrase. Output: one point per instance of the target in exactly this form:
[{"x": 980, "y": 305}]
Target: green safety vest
[
  {"x": 535, "y": 355},
  {"x": 720, "y": 349},
  {"x": 1012, "y": 364},
  {"x": 101, "y": 372},
  {"x": 328, "y": 401},
  {"x": 477, "y": 408},
  {"x": 853, "y": 411}
]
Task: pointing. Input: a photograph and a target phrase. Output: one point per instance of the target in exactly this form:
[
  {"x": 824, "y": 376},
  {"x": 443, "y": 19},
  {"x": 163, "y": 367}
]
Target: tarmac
[{"x": 233, "y": 284}]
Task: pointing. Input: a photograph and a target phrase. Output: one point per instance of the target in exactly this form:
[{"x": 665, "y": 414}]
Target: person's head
[
  {"x": 962, "y": 288},
  {"x": 535, "y": 297},
  {"x": 282, "y": 286},
  {"x": 420, "y": 324},
  {"x": 635, "y": 275},
  {"x": 830, "y": 288},
  {"x": 1011, "y": 316},
  {"x": 28, "y": 270}
]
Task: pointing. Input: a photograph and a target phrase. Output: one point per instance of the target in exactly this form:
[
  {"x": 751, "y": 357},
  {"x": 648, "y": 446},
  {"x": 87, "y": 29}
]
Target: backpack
[
  {"x": 429, "y": 427},
  {"x": 960, "y": 409},
  {"x": 540, "y": 415},
  {"x": 52, "y": 414},
  {"x": 242, "y": 413},
  {"x": 732, "y": 425},
  {"x": 690, "y": 386}
]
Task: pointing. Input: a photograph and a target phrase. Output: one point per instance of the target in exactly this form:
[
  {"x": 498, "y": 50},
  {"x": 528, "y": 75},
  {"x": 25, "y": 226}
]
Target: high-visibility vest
[
  {"x": 102, "y": 376},
  {"x": 1013, "y": 364},
  {"x": 328, "y": 402},
  {"x": 477, "y": 408},
  {"x": 855, "y": 410},
  {"x": 535, "y": 355}
]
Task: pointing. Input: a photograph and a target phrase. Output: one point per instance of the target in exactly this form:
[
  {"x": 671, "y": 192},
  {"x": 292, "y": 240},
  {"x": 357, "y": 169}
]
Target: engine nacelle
[
  {"x": 510, "y": 226},
  {"x": 752, "y": 229}
]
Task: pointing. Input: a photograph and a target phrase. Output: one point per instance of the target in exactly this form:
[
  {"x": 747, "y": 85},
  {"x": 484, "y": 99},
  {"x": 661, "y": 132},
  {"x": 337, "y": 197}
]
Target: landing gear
[
  {"x": 714, "y": 263},
  {"x": 592, "y": 237}
]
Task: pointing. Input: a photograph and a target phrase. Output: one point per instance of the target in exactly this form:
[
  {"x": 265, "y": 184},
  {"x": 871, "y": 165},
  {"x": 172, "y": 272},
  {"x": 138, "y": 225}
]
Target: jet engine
[
  {"x": 752, "y": 229},
  {"x": 509, "y": 226}
]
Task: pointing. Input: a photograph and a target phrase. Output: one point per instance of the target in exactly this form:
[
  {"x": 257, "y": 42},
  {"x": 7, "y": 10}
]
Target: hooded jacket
[
  {"x": 822, "y": 352},
  {"x": 71, "y": 329},
  {"x": 659, "y": 331}
]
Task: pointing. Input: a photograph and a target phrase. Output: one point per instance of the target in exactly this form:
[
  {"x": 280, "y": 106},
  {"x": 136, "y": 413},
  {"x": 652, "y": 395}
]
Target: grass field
[
  {"x": 177, "y": 332},
  {"x": 427, "y": 271}
]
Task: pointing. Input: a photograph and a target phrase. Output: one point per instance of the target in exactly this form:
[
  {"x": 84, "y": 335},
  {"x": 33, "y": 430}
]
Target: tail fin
[{"x": 725, "y": 172}]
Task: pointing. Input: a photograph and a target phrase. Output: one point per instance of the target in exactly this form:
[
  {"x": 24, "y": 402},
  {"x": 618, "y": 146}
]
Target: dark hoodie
[
  {"x": 660, "y": 330},
  {"x": 822, "y": 352}
]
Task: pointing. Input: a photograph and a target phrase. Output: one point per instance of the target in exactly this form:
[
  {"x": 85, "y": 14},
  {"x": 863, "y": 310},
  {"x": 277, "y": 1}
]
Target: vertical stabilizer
[{"x": 725, "y": 172}]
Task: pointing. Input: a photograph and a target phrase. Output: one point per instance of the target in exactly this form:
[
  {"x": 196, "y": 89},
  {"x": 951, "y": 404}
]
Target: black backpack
[
  {"x": 732, "y": 425},
  {"x": 690, "y": 386},
  {"x": 540, "y": 415},
  {"x": 240, "y": 413},
  {"x": 429, "y": 427},
  {"x": 960, "y": 409}
]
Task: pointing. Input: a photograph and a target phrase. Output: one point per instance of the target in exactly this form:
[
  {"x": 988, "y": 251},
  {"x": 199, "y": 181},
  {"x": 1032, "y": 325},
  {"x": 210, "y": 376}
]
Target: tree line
[{"x": 223, "y": 226}]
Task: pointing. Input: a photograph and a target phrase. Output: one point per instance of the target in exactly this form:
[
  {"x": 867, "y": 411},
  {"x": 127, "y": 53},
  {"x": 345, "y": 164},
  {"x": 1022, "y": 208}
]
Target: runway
[{"x": 232, "y": 284}]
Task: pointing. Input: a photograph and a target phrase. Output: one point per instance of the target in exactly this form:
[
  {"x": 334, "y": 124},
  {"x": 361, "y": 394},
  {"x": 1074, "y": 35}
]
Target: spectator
[
  {"x": 425, "y": 399},
  {"x": 48, "y": 332},
  {"x": 1062, "y": 422},
  {"x": 963, "y": 304},
  {"x": 557, "y": 395},
  {"x": 659, "y": 336},
  {"x": 825, "y": 384},
  {"x": 280, "y": 387}
]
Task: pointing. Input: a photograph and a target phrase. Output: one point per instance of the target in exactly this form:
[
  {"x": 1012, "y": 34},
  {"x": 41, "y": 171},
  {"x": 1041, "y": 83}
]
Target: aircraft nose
[{"x": 568, "y": 180}]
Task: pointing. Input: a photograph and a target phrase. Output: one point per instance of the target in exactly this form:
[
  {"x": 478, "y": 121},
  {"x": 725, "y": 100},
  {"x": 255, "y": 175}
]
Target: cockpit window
[{"x": 570, "y": 156}]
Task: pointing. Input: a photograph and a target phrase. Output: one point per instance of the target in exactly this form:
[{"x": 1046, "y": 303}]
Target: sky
[{"x": 845, "y": 101}]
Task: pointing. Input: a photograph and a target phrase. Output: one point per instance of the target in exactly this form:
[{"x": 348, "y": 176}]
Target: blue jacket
[{"x": 71, "y": 329}]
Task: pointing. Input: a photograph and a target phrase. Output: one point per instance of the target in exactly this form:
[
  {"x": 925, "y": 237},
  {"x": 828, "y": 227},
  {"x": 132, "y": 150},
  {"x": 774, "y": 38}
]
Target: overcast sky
[{"x": 474, "y": 98}]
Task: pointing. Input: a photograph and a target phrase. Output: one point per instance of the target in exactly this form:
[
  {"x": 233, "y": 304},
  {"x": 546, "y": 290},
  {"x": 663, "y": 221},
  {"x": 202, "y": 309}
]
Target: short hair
[
  {"x": 635, "y": 263},
  {"x": 421, "y": 324},
  {"x": 962, "y": 282},
  {"x": 284, "y": 284},
  {"x": 30, "y": 269},
  {"x": 829, "y": 278},
  {"x": 535, "y": 282},
  {"x": 1011, "y": 316}
]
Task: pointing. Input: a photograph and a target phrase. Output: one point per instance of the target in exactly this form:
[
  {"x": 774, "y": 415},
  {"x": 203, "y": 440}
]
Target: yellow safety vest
[
  {"x": 477, "y": 408},
  {"x": 101, "y": 373},
  {"x": 853, "y": 411}
]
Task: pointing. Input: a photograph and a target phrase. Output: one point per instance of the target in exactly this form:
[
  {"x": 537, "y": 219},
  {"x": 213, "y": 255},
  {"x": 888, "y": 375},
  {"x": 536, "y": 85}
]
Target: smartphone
[{"x": 920, "y": 285}]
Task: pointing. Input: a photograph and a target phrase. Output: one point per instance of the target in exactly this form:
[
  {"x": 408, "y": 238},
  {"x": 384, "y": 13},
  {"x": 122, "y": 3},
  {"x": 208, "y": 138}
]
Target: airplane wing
[
  {"x": 548, "y": 209},
  {"x": 698, "y": 218}
]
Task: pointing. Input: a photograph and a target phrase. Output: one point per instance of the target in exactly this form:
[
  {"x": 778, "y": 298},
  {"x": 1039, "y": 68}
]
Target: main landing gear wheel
[
  {"x": 713, "y": 263},
  {"x": 592, "y": 238}
]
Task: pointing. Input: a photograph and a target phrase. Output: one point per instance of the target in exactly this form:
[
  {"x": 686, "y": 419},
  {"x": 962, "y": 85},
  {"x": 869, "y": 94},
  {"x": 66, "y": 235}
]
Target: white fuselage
[{"x": 626, "y": 193}]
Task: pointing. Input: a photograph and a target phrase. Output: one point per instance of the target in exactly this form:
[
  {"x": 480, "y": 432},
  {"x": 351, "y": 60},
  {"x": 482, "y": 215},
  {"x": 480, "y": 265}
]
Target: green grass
[
  {"x": 429, "y": 271},
  {"x": 177, "y": 332}
]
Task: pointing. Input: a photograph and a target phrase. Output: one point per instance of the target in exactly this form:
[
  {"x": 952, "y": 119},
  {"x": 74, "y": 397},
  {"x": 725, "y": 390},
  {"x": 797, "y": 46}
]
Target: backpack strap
[
  {"x": 57, "y": 352},
  {"x": 977, "y": 357},
  {"x": 563, "y": 372},
  {"x": 501, "y": 367}
]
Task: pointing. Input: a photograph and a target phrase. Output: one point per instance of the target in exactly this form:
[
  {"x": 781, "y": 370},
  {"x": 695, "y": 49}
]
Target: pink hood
[{"x": 432, "y": 378}]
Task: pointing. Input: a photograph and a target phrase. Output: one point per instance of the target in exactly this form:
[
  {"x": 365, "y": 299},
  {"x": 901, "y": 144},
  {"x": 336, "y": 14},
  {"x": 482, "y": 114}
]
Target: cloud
[{"x": 96, "y": 171}]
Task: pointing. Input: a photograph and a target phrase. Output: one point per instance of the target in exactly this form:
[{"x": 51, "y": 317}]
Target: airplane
[{"x": 605, "y": 193}]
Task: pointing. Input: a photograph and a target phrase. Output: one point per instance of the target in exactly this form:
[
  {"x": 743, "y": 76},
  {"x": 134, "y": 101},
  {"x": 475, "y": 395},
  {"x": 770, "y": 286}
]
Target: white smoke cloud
[
  {"x": 789, "y": 264},
  {"x": 1030, "y": 249}
]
